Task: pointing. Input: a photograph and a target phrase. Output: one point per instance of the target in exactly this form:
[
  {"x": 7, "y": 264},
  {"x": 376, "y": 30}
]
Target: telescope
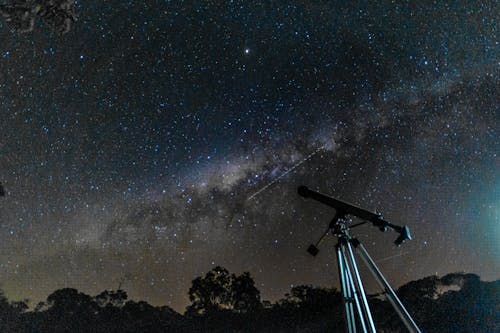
[
  {"x": 356, "y": 306},
  {"x": 344, "y": 208}
]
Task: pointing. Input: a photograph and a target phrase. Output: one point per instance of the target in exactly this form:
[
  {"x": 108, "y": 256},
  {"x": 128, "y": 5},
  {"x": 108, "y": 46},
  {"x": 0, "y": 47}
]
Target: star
[{"x": 147, "y": 131}]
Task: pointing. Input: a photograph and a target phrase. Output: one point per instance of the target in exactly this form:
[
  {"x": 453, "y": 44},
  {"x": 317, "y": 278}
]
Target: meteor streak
[
  {"x": 392, "y": 257},
  {"x": 286, "y": 173}
]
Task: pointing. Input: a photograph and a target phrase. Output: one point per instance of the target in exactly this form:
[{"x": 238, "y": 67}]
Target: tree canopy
[
  {"x": 21, "y": 15},
  {"x": 219, "y": 290},
  {"x": 225, "y": 302}
]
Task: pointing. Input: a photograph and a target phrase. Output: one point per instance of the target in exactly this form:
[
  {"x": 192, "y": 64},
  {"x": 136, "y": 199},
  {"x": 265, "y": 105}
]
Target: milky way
[{"x": 154, "y": 141}]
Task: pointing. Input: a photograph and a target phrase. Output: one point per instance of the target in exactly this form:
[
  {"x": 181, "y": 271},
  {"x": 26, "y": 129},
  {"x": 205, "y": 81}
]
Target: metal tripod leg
[
  {"x": 366, "y": 308},
  {"x": 351, "y": 287},
  {"x": 350, "y": 320},
  {"x": 391, "y": 295}
]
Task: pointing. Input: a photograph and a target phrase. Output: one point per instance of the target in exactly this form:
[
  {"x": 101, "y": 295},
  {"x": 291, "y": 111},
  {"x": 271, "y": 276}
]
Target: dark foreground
[{"x": 224, "y": 302}]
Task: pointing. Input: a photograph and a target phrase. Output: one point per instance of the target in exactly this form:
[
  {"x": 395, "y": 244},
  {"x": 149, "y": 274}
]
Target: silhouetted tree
[
  {"x": 10, "y": 314},
  {"x": 21, "y": 14},
  {"x": 245, "y": 297},
  {"x": 70, "y": 310},
  {"x": 70, "y": 301},
  {"x": 455, "y": 303},
  {"x": 309, "y": 308},
  {"x": 221, "y": 291},
  {"x": 419, "y": 299},
  {"x": 114, "y": 298},
  {"x": 467, "y": 305},
  {"x": 143, "y": 317},
  {"x": 210, "y": 293}
]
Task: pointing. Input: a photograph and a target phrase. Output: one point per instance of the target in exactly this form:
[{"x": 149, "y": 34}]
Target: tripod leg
[
  {"x": 350, "y": 282},
  {"x": 350, "y": 320},
  {"x": 391, "y": 295},
  {"x": 366, "y": 307}
]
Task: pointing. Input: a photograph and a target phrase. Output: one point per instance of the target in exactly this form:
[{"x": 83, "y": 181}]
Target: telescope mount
[{"x": 356, "y": 307}]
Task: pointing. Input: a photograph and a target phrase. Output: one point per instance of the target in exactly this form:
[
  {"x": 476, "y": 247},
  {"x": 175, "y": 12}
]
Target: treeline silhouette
[{"x": 225, "y": 302}]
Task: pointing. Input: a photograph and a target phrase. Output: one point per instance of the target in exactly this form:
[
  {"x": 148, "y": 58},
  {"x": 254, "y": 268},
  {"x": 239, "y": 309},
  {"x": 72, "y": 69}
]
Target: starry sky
[{"x": 158, "y": 139}]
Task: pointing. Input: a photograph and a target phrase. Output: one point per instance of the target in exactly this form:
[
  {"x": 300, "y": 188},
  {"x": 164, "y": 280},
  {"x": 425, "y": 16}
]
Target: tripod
[{"x": 355, "y": 300}]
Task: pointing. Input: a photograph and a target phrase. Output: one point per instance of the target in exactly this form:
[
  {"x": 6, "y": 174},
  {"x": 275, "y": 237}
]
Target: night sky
[{"x": 156, "y": 140}]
